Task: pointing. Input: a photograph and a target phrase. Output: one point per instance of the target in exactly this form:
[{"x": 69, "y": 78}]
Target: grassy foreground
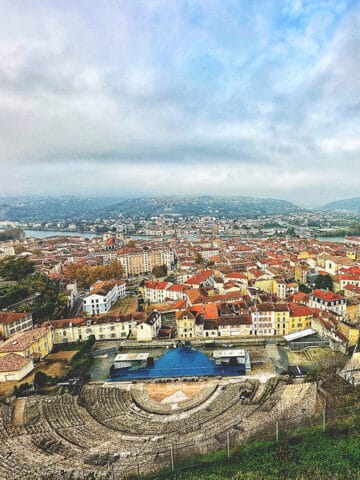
[{"x": 308, "y": 454}]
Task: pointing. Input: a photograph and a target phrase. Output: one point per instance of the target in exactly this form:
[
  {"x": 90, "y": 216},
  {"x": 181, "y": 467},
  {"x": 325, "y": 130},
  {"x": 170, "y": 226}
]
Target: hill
[
  {"x": 70, "y": 207},
  {"x": 351, "y": 204},
  {"x": 306, "y": 454},
  {"x": 38, "y": 208},
  {"x": 216, "y": 206}
]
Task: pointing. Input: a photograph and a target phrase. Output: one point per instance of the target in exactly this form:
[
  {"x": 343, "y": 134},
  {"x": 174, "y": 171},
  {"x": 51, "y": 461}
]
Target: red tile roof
[
  {"x": 23, "y": 340},
  {"x": 155, "y": 285},
  {"x": 299, "y": 310},
  {"x": 326, "y": 295},
  {"x": 199, "y": 277},
  {"x": 9, "y": 317},
  {"x": 209, "y": 310},
  {"x": 12, "y": 362}
]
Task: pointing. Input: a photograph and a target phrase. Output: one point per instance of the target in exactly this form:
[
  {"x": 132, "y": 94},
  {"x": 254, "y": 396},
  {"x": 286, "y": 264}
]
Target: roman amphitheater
[{"x": 116, "y": 431}]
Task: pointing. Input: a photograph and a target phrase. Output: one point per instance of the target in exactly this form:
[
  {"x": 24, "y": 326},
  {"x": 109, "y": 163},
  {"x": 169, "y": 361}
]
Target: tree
[
  {"x": 15, "y": 268},
  {"x": 40, "y": 379},
  {"x": 159, "y": 271},
  {"x": 324, "y": 282},
  {"x": 304, "y": 288},
  {"x": 49, "y": 300},
  {"x": 11, "y": 234},
  {"x": 199, "y": 259},
  {"x": 85, "y": 275}
]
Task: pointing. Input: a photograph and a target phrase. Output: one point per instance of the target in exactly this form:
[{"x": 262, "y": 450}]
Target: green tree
[
  {"x": 199, "y": 259},
  {"x": 304, "y": 288},
  {"x": 11, "y": 234},
  {"x": 324, "y": 282},
  {"x": 159, "y": 271},
  {"x": 15, "y": 268},
  {"x": 40, "y": 379},
  {"x": 49, "y": 301}
]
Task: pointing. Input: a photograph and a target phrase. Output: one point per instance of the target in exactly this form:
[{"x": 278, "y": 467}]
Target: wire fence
[{"x": 180, "y": 456}]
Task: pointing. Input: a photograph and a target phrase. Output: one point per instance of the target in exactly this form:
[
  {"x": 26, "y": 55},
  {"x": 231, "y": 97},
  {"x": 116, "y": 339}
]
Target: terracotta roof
[
  {"x": 103, "y": 287},
  {"x": 193, "y": 294},
  {"x": 23, "y": 340},
  {"x": 180, "y": 315},
  {"x": 299, "y": 310},
  {"x": 155, "y": 285},
  {"x": 199, "y": 277},
  {"x": 301, "y": 297},
  {"x": 9, "y": 317},
  {"x": 13, "y": 362},
  {"x": 101, "y": 320},
  {"x": 179, "y": 304},
  {"x": 209, "y": 310},
  {"x": 236, "y": 275},
  {"x": 235, "y": 320},
  {"x": 326, "y": 295},
  {"x": 178, "y": 288}
]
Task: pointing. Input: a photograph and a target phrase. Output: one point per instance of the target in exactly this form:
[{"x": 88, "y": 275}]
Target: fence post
[
  {"x": 228, "y": 443},
  {"x": 172, "y": 457},
  {"x": 277, "y": 430}
]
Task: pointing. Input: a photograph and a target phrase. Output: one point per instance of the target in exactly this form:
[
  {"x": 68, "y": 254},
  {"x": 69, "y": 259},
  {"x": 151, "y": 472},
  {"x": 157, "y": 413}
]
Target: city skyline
[{"x": 154, "y": 98}]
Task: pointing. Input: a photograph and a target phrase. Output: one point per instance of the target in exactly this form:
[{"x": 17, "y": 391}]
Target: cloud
[{"x": 162, "y": 97}]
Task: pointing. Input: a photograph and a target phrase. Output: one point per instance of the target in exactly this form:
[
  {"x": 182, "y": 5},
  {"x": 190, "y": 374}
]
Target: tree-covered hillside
[
  {"x": 350, "y": 204},
  {"x": 216, "y": 206}
]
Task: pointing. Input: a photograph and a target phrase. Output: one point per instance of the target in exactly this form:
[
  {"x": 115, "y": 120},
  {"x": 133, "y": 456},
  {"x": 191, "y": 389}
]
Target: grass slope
[{"x": 308, "y": 454}]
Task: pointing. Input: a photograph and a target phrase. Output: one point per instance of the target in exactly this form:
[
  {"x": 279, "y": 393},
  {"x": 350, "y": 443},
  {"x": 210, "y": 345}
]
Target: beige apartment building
[{"x": 137, "y": 263}]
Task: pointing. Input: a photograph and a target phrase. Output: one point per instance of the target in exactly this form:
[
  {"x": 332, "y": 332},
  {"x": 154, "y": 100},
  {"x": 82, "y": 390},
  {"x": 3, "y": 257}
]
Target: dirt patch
[
  {"x": 158, "y": 391},
  {"x": 18, "y": 414},
  {"x": 124, "y": 306},
  {"x": 320, "y": 354},
  {"x": 7, "y": 388},
  {"x": 298, "y": 358},
  {"x": 54, "y": 368},
  {"x": 62, "y": 355}
]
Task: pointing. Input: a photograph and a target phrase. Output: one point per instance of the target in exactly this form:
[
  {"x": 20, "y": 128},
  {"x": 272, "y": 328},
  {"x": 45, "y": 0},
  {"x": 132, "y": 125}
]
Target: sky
[{"x": 152, "y": 97}]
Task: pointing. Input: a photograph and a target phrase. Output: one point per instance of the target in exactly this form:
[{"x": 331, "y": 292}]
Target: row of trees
[
  {"x": 322, "y": 282},
  {"x": 85, "y": 275},
  {"x": 48, "y": 300},
  {"x": 16, "y": 268},
  {"x": 11, "y": 234}
]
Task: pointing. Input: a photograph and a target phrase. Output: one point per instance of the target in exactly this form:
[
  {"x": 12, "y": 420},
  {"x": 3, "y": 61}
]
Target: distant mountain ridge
[
  {"x": 44, "y": 209},
  {"x": 351, "y": 204},
  {"x": 47, "y": 208},
  {"x": 206, "y": 205}
]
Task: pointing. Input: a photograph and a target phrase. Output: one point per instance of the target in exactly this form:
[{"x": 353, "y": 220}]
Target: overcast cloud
[{"x": 169, "y": 96}]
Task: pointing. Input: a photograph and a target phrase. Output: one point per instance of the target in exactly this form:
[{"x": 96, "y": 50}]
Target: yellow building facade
[
  {"x": 185, "y": 323},
  {"x": 37, "y": 342}
]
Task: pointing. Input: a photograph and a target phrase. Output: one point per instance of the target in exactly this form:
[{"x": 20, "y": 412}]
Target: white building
[
  {"x": 14, "y": 367},
  {"x": 158, "y": 292},
  {"x": 72, "y": 330},
  {"x": 150, "y": 328},
  {"x": 329, "y": 301},
  {"x": 14, "y": 322},
  {"x": 102, "y": 297},
  {"x": 6, "y": 249},
  {"x": 155, "y": 291}
]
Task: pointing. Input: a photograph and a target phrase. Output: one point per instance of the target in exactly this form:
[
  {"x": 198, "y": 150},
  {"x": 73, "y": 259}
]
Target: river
[
  {"x": 48, "y": 233},
  {"x": 331, "y": 239}
]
